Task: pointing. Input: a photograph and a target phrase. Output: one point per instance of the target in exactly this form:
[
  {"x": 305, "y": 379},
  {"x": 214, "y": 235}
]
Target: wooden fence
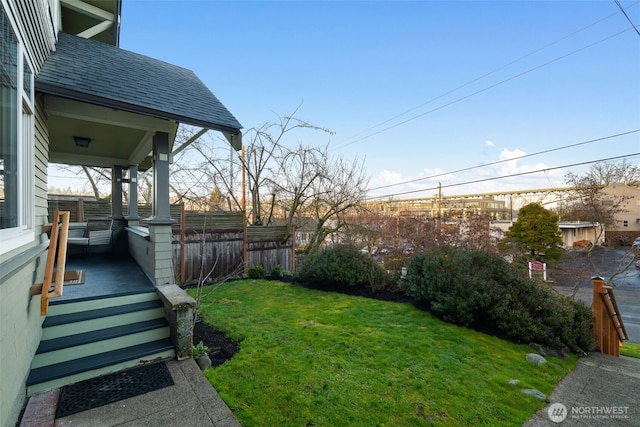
[
  {"x": 608, "y": 327},
  {"x": 205, "y": 244},
  {"x": 82, "y": 210}
]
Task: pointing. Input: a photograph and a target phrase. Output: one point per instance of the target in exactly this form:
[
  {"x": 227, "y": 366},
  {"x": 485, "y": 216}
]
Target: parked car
[
  {"x": 365, "y": 250},
  {"x": 407, "y": 250},
  {"x": 636, "y": 243}
]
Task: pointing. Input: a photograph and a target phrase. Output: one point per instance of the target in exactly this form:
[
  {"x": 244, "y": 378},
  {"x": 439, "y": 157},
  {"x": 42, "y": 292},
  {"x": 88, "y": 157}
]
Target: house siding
[
  {"x": 630, "y": 206},
  {"x": 20, "y": 326},
  {"x": 37, "y": 30},
  {"x": 20, "y": 320},
  {"x": 41, "y": 151}
]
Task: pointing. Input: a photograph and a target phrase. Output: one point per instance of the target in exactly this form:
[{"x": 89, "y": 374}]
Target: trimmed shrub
[
  {"x": 341, "y": 266},
  {"x": 256, "y": 272},
  {"x": 276, "y": 273},
  {"x": 483, "y": 291}
]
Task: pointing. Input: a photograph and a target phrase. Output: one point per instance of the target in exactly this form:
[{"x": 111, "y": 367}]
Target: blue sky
[{"x": 555, "y": 74}]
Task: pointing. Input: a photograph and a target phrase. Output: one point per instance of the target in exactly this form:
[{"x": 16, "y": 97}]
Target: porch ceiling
[
  {"x": 117, "y": 137},
  {"x": 95, "y": 19}
]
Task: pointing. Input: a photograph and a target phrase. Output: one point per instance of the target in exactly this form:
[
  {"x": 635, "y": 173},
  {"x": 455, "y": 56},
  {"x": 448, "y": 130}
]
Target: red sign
[{"x": 537, "y": 265}]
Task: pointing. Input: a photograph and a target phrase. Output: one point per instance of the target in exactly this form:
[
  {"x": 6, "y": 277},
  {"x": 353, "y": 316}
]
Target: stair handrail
[
  {"x": 57, "y": 244},
  {"x": 614, "y": 313},
  {"x": 609, "y": 330}
]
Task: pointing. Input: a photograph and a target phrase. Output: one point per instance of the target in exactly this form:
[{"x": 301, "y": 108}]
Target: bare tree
[
  {"x": 96, "y": 179},
  {"x": 416, "y": 232},
  {"x": 610, "y": 172},
  {"x": 368, "y": 228},
  {"x": 340, "y": 189},
  {"x": 297, "y": 171},
  {"x": 276, "y": 176},
  {"x": 479, "y": 234},
  {"x": 591, "y": 202}
]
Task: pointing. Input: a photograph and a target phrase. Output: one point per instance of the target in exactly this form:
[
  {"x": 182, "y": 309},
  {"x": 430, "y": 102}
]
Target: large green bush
[
  {"x": 341, "y": 266},
  {"x": 483, "y": 291}
]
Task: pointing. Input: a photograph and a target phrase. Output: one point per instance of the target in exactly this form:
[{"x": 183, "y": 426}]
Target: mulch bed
[{"x": 222, "y": 347}]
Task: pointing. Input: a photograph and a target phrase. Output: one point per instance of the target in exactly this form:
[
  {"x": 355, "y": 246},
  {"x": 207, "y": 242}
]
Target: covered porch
[{"x": 111, "y": 108}]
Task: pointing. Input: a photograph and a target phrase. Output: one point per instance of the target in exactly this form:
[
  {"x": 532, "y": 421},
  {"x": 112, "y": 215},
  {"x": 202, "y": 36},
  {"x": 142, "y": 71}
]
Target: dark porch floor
[{"x": 105, "y": 274}]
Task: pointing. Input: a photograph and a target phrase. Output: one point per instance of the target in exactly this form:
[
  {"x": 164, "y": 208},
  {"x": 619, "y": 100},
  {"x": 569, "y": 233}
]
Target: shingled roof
[{"x": 101, "y": 74}]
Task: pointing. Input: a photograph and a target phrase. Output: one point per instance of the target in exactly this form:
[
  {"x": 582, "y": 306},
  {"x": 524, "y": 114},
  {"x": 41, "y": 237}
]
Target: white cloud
[
  {"x": 507, "y": 154},
  {"x": 489, "y": 143},
  {"x": 512, "y": 172},
  {"x": 385, "y": 177}
]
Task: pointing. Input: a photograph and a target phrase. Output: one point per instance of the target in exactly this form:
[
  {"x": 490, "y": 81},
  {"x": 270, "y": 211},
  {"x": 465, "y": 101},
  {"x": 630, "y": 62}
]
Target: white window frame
[{"x": 24, "y": 233}]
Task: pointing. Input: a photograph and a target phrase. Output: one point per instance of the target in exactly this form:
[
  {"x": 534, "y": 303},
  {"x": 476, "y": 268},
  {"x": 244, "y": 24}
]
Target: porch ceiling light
[{"x": 82, "y": 141}]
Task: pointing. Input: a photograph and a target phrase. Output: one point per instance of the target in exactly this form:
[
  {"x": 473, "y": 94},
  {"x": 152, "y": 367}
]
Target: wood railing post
[
  {"x": 80, "y": 211},
  {"x": 598, "y": 283},
  {"x": 293, "y": 249}
]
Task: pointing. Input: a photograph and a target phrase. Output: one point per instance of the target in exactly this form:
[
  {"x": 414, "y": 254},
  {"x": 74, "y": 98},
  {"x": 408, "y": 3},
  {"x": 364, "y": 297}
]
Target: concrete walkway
[
  {"x": 191, "y": 401},
  {"x": 601, "y": 391}
]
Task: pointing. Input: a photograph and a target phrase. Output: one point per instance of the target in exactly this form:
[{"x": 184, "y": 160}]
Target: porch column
[
  {"x": 116, "y": 192},
  {"x": 132, "y": 213},
  {"x": 160, "y": 222},
  {"x": 161, "y": 178}
]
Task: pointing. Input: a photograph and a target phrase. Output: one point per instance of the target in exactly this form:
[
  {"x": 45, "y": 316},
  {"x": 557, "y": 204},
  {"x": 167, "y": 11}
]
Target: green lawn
[
  {"x": 630, "y": 350},
  {"x": 310, "y": 358}
]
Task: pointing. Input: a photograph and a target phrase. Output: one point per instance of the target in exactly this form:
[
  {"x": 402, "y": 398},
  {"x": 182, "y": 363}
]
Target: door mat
[{"x": 100, "y": 391}]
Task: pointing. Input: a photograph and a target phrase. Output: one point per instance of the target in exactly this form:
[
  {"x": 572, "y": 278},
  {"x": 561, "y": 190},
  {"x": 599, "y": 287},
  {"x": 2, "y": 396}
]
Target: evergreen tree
[{"x": 536, "y": 229}]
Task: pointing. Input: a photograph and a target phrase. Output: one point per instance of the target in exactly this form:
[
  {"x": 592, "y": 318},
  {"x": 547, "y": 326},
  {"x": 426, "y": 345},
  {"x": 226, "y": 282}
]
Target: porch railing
[
  {"x": 609, "y": 330},
  {"x": 57, "y": 246}
]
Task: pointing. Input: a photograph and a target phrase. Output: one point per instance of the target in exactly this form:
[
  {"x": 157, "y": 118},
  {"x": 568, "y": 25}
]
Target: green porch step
[
  {"x": 103, "y": 334},
  {"x": 58, "y": 306},
  {"x": 60, "y": 374},
  {"x": 88, "y": 343},
  {"x": 80, "y": 316},
  {"x": 97, "y": 336},
  {"x": 102, "y": 318}
]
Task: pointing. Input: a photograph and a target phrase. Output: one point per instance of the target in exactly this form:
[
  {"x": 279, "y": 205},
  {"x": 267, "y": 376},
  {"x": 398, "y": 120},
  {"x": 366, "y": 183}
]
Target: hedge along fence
[{"x": 205, "y": 242}]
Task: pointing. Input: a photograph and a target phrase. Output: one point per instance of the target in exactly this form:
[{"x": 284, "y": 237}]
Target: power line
[
  {"x": 455, "y": 101},
  {"x": 533, "y": 52},
  {"x": 507, "y": 160},
  {"x": 501, "y": 177},
  {"x": 627, "y": 16}
]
